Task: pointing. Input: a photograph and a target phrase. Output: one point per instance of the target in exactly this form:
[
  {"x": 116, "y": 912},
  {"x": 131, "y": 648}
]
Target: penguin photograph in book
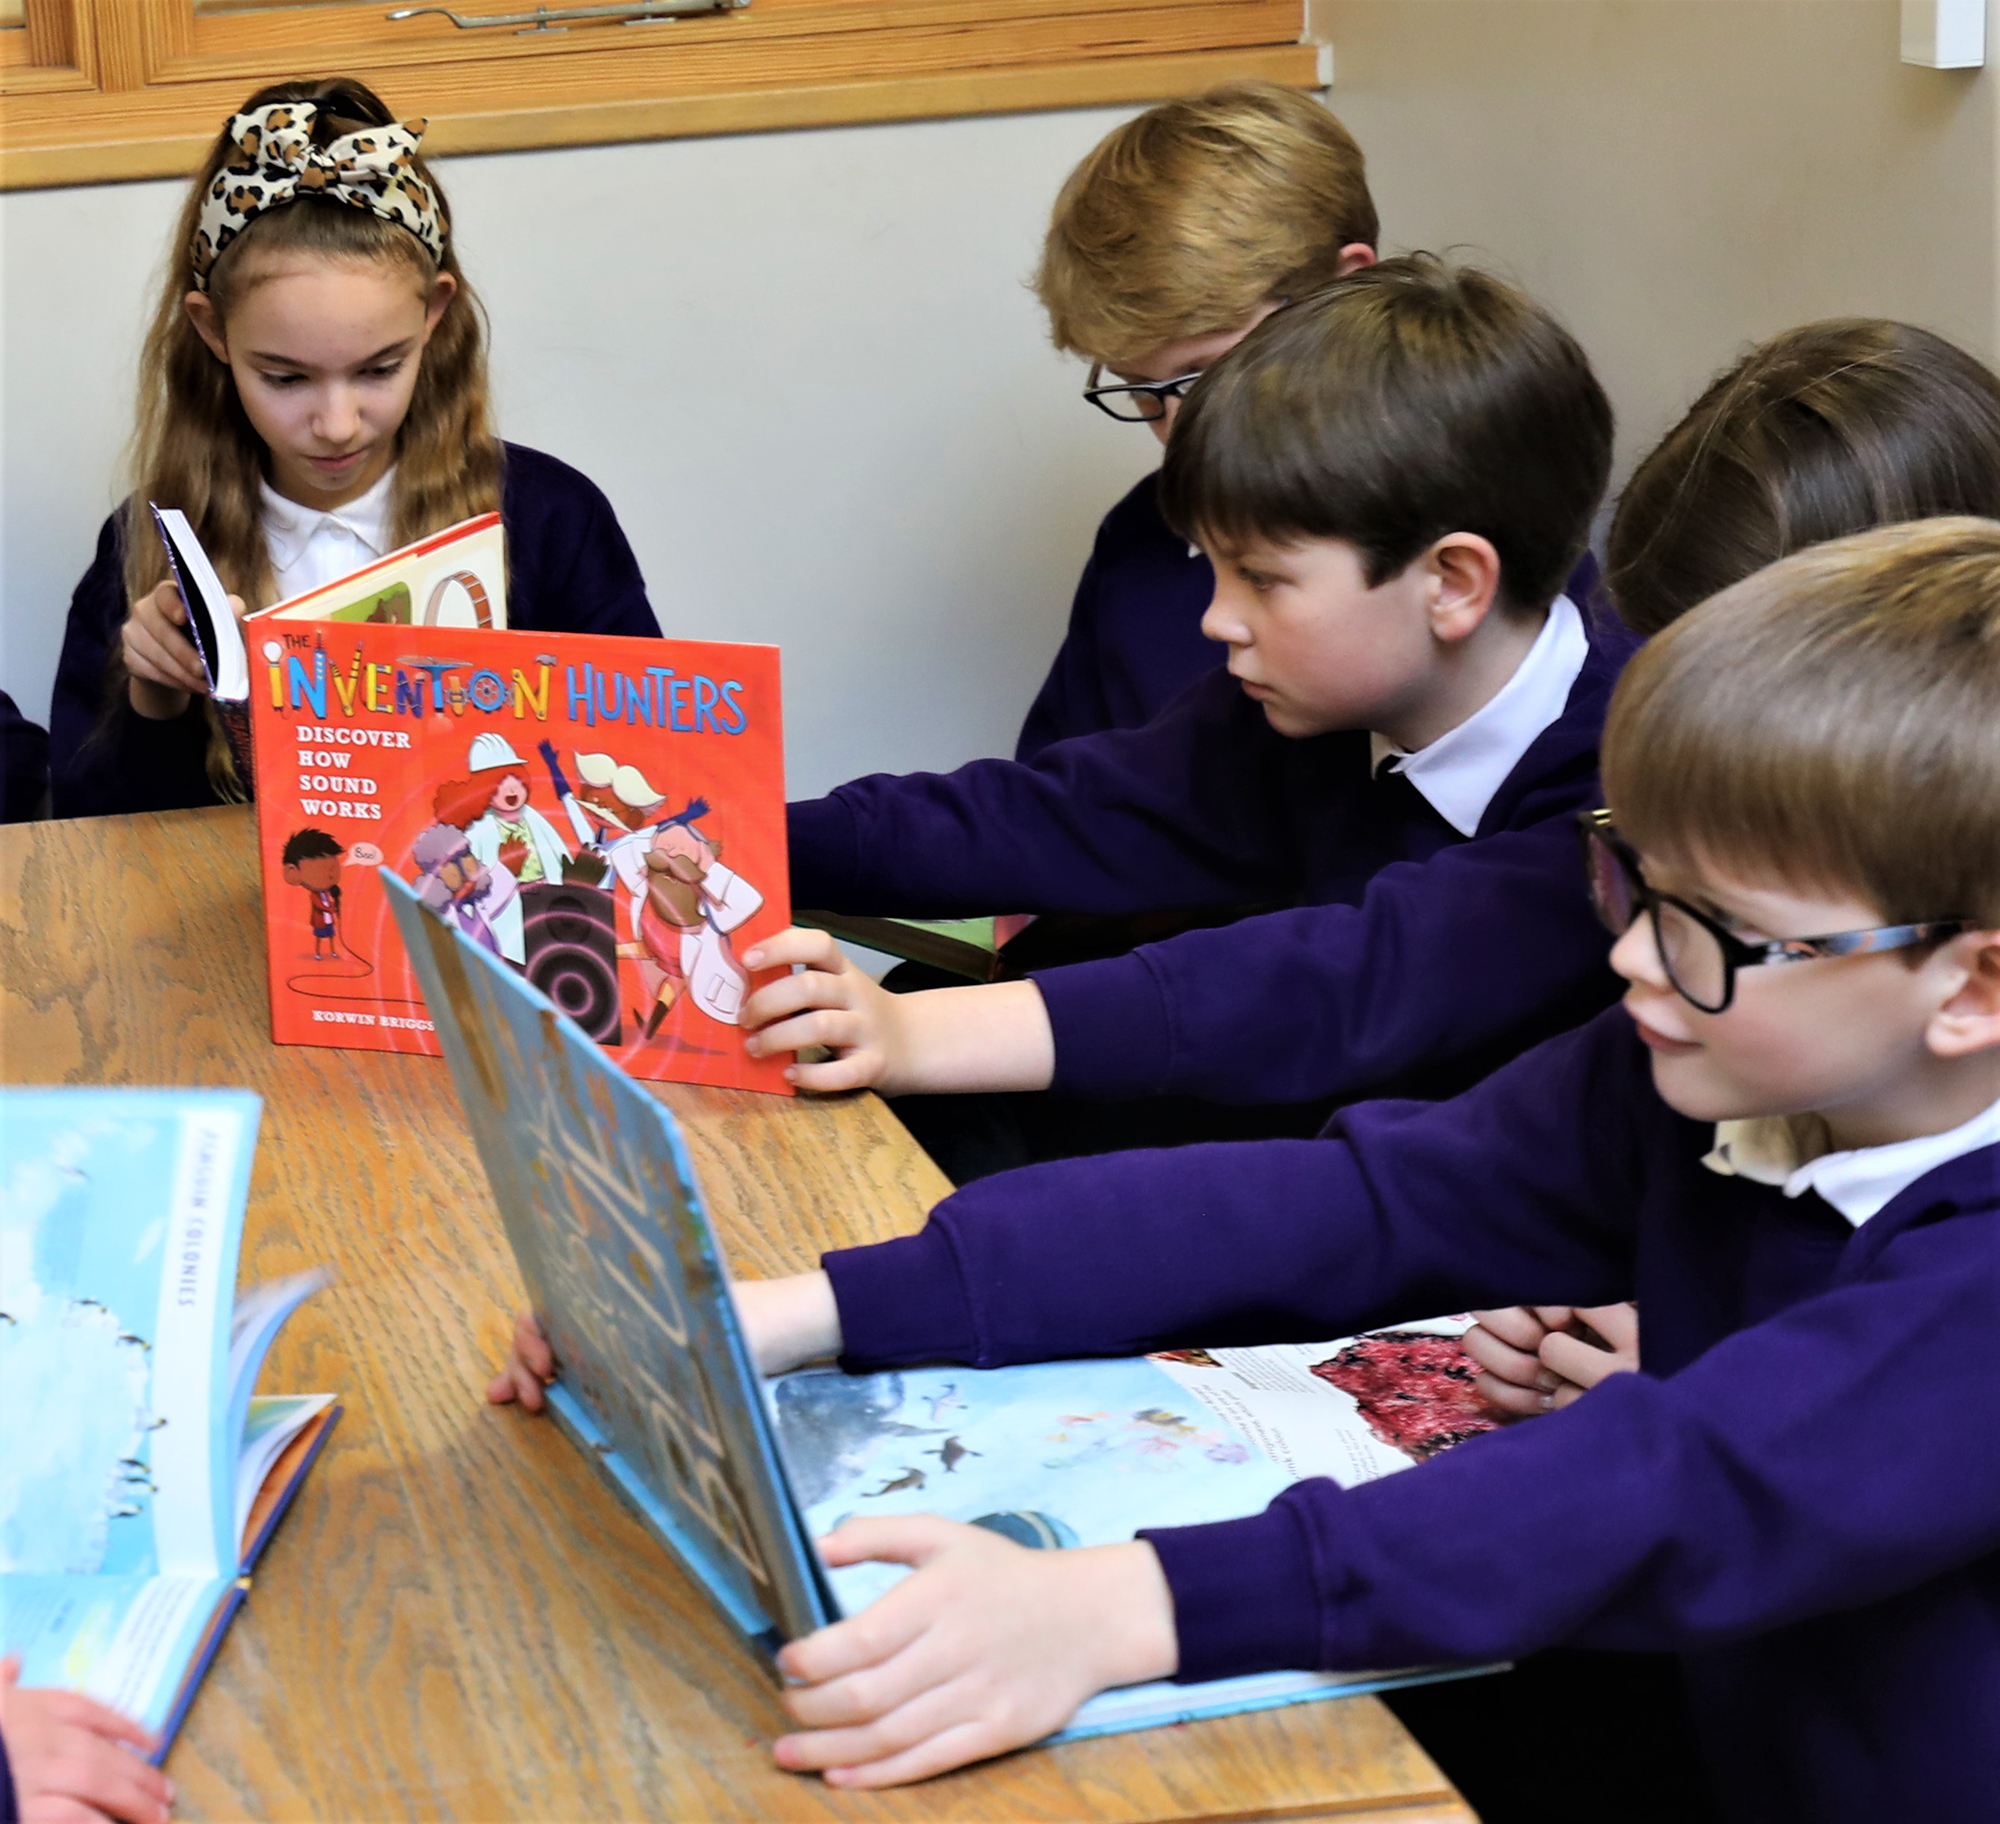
[{"x": 604, "y": 816}]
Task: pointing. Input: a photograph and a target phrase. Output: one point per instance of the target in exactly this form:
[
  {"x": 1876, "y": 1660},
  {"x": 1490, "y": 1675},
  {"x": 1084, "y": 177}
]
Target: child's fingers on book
[
  {"x": 96, "y": 1773},
  {"x": 74, "y": 1710},
  {"x": 531, "y": 1347},
  {"x": 1618, "y": 1325},
  {"x": 1580, "y": 1363},
  {"x": 879, "y": 1632},
  {"x": 1514, "y": 1325},
  {"x": 796, "y": 944},
  {"x": 1504, "y": 1396},
  {"x": 973, "y": 1740},
  {"x": 853, "y": 1070},
  {"x": 1501, "y": 1359},
  {"x": 939, "y": 1702},
  {"x": 895, "y": 1539}
]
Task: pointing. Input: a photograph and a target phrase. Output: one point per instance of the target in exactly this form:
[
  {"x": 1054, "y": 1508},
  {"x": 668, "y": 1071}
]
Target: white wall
[
  {"x": 805, "y": 367},
  {"x": 1681, "y": 178}
]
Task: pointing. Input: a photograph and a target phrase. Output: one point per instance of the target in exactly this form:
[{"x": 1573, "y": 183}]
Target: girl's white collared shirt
[{"x": 311, "y": 546}]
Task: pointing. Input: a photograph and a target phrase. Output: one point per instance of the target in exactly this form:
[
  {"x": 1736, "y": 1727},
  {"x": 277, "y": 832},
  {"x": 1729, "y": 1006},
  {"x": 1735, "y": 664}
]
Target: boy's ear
[
  {"x": 1352, "y": 257},
  {"x": 200, "y": 310},
  {"x": 1465, "y": 578},
  {"x": 1970, "y": 1020}
]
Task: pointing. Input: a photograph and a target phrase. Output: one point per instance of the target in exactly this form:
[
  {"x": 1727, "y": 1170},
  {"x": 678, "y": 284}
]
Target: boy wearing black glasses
[{"x": 1786, "y": 1143}]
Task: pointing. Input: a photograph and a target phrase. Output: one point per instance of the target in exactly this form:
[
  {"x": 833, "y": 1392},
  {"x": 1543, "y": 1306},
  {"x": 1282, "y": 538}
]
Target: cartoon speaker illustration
[{"x": 572, "y": 945}]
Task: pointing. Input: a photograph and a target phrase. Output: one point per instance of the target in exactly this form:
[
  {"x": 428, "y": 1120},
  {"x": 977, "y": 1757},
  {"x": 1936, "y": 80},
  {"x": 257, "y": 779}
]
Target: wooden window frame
[{"x": 97, "y": 91}]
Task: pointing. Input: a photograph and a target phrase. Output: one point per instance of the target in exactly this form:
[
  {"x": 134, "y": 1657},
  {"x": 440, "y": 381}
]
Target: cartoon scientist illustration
[{"x": 505, "y": 830}]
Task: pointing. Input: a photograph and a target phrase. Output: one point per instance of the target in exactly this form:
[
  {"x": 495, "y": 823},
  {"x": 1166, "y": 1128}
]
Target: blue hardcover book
[
  {"x": 736, "y": 1476},
  {"x": 139, "y": 1476}
]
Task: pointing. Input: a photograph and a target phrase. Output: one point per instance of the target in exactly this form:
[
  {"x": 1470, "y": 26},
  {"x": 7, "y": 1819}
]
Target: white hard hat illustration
[{"x": 491, "y": 750}]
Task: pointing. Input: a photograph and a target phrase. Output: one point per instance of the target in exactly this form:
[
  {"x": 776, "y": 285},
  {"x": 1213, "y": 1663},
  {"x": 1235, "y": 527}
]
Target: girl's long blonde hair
[{"x": 194, "y": 448}]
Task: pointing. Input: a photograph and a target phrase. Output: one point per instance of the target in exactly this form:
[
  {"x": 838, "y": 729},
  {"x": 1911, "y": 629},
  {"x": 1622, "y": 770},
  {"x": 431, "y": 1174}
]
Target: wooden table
[{"x": 457, "y": 1620}]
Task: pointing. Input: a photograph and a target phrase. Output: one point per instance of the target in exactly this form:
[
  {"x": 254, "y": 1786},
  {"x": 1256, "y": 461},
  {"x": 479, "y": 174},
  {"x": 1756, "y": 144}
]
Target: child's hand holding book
[
  {"x": 162, "y": 666},
  {"x": 995, "y": 1036},
  {"x": 987, "y": 1646},
  {"x": 73, "y": 1759}
]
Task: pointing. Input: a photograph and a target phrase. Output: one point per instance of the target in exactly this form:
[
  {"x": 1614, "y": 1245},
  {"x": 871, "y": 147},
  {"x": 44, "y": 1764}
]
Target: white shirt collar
[
  {"x": 310, "y": 546},
  {"x": 1459, "y": 772},
  {"x": 1795, "y": 1151}
]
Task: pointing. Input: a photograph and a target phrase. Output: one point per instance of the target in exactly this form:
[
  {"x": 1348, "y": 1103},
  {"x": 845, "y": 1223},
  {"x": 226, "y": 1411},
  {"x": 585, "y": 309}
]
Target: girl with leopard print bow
[{"x": 312, "y": 395}]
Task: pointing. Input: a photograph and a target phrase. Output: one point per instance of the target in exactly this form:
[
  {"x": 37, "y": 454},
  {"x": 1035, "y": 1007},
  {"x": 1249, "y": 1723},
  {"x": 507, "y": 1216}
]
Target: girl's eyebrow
[{"x": 272, "y": 359}]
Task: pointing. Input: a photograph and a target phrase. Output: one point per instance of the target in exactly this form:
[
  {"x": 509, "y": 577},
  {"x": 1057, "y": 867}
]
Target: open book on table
[
  {"x": 736, "y": 1476},
  {"x": 140, "y": 1476}
]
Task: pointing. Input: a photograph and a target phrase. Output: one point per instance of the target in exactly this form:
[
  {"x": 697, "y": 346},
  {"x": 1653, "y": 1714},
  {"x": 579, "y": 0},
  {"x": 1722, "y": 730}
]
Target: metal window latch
[{"x": 557, "y": 19}]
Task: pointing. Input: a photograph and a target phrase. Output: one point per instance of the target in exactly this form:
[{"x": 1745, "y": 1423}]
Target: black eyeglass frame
[
  {"x": 1159, "y": 391},
  {"x": 1598, "y": 832}
]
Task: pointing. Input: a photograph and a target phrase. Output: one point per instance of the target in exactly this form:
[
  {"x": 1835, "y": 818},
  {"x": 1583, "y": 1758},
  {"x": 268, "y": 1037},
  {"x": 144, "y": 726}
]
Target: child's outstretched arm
[
  {"x": 944, "y": 1040},
  {"x": 987, "y": 1647},
  {"x": 72, "y": 1759}
]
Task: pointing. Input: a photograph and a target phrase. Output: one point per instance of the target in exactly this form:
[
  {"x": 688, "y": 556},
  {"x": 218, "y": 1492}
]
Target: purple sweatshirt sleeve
[
  {"x": 1270, "y": 1241},
  {"x": 100, "y": 763},
  {"x": 1179, "y": 812},
  {"x": 1482, "y": 949},
  {"x": 10, "y": 1807},
  {"x": 572, "y": 568},
  {"x": 1816, "y": 1462}
]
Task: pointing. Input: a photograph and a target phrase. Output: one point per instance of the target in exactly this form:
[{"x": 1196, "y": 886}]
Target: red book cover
[{"x": 606, "y": 814}]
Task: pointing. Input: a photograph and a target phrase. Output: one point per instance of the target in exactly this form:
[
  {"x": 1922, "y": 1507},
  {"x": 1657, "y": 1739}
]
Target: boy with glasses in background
[{"x": 1173, "y": 239}]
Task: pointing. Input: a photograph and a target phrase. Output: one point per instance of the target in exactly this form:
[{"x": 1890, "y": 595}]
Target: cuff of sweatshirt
[
  {"x": 901, "y": 1302},
  {"x": 825, "y": 853},
  {"x": 1244, "y": 1595},
  {"x": 1109, "y": 1022}
]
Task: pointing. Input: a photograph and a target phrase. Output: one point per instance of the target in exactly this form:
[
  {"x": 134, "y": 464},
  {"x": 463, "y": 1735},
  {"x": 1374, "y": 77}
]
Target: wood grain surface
[{"x": 457, "y": 1620}]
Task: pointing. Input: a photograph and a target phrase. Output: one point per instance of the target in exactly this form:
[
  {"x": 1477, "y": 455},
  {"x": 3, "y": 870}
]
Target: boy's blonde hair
[
  {"x": 1832, "y": 721},
  {"x": 1187, "y": 219}
]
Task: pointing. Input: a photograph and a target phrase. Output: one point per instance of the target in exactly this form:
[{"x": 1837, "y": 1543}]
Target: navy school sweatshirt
[
  {"x": 1799, "y": 1494},
  {"x": 569, "y": 570},
  {"x": 1410, "y": 957}
]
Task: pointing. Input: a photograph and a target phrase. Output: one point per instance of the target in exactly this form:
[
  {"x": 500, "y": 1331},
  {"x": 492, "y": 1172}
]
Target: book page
[
  {"x": 120, "y": 1218},
  {"x": 453, "y": 578},
  {"x": 1084, "y": 1453},
  {"x": 274, "y": 1420},
  {"x": 126, "y": 1641}
]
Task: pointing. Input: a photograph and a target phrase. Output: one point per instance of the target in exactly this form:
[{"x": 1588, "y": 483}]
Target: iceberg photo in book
[
  {"x": 605, "y": 815},
  {"x": 735, "y": 1475},
  {"x": 139, "y": 1475}
]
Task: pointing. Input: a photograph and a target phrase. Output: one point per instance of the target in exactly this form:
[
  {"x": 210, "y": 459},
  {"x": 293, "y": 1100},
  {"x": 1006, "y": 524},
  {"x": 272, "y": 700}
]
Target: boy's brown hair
[
  {"x": 1822, "y": 431},
  {"x": 1410, "y": 400},
  {"x": 1832, "y": 721},
  {"x": 1190, "y": 217}
]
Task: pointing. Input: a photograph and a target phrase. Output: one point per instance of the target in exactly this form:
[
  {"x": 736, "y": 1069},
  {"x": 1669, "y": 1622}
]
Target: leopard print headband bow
[{"x": 275, "y": 162}]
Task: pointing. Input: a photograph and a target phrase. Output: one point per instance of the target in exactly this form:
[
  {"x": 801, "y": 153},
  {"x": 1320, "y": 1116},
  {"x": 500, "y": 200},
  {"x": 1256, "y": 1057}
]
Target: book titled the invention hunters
[{"x": 604, "y": 815}]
